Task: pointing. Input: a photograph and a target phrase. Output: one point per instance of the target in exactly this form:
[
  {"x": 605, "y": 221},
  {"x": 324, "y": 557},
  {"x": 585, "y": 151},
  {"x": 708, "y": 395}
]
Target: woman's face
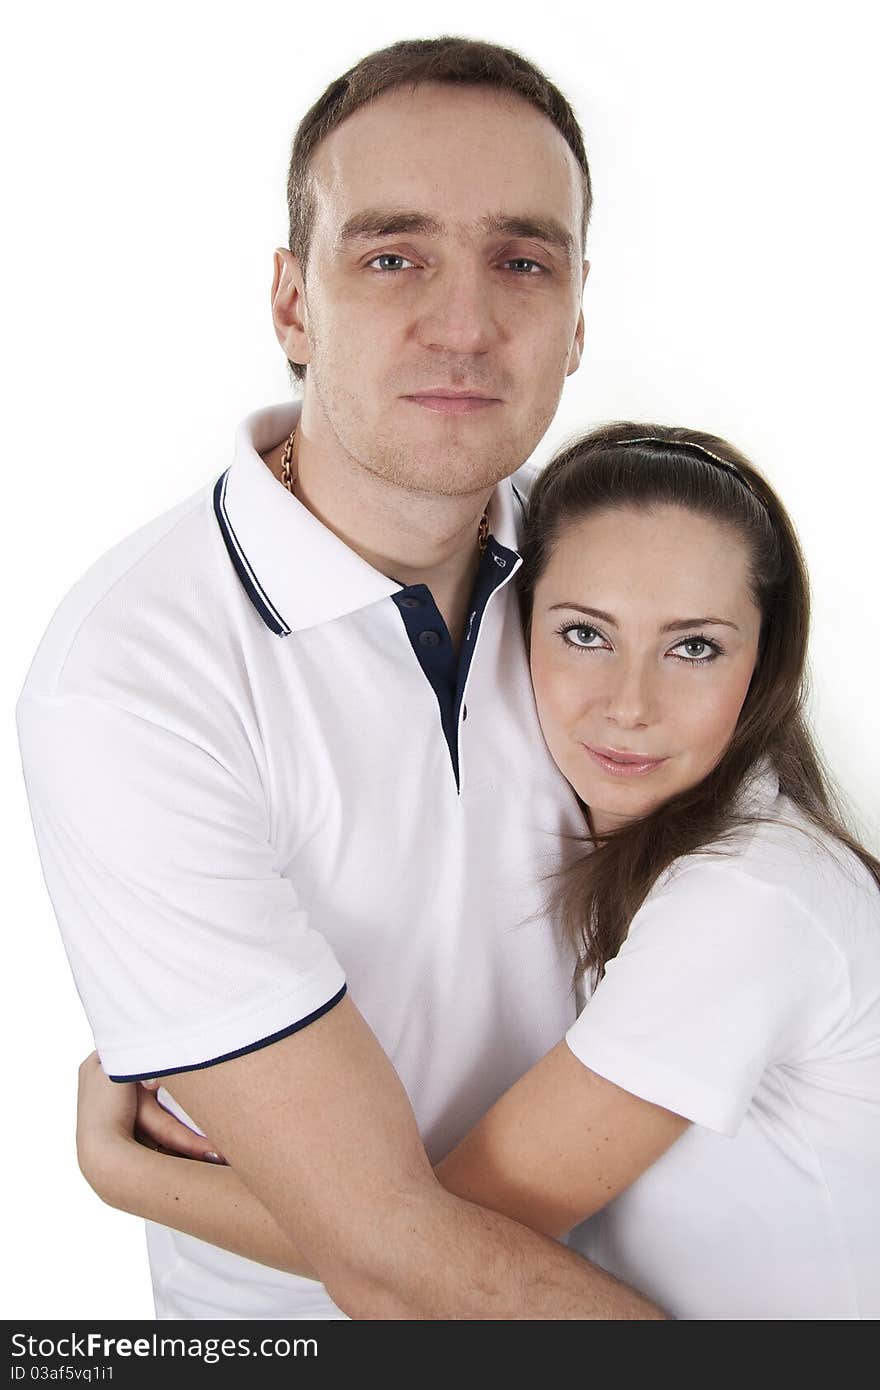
[{"x": 644, "y": 640}]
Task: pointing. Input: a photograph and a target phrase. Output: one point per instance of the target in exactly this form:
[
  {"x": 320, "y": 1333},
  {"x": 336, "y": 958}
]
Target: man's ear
[
  {"x": 289, "y": 307},
  {"x": 577, "y": 346}
]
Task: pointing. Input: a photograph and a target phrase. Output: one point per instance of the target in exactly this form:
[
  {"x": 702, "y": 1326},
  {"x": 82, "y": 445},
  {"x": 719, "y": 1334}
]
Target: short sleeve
[
  {"x": 722, "y": 976},
  {"x": 187, "y": 943}
]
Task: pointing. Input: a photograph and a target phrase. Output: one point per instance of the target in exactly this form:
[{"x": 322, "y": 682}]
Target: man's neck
[{"x": 415, "y": 538}]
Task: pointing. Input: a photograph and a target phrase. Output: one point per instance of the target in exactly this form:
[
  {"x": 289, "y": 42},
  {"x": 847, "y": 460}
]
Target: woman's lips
[{"x": 622, "y": 764}]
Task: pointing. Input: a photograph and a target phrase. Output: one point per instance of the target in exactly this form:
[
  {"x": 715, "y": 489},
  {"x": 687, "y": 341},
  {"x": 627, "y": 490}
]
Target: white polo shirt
[
  {"x": 258, "y": 776},
  {"x": 747, "y": 998}
]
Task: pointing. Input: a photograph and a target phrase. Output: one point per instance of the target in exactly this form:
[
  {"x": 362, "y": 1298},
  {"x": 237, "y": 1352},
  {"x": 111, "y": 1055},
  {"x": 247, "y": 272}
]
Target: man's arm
[{"x": 319, "y": 1129}]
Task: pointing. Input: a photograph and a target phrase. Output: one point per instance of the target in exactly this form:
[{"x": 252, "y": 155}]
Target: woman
[{"x": 716, "y": 1106}]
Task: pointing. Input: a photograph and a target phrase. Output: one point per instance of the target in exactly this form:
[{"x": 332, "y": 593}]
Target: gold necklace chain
[
  {"x": 288, "y": 475},
  {"x": 289, "y": 471}
]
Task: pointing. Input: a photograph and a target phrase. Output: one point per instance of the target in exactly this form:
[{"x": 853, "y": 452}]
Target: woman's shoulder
[
  {"x": 760, "y": 951},
  {"x": 776, "y": 861}
]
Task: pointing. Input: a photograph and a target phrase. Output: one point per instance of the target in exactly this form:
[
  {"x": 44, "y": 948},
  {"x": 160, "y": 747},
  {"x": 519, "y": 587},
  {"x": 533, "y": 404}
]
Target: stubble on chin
[{"x": 403, "y": 452}]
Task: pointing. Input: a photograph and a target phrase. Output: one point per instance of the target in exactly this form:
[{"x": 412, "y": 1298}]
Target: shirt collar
[{"x": 295, "y": 571}]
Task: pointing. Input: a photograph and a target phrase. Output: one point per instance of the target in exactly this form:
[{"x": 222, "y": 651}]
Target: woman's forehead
[{"x": 660, "y": 557}]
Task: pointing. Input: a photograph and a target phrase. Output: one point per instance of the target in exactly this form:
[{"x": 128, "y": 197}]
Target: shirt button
[
  {"x": 410, "y": 601},
  {"x": 429, "y": 638}
]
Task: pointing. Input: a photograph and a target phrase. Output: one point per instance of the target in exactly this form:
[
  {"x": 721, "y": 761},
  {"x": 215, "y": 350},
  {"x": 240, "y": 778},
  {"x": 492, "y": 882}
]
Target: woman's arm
[
  {"x": 204, "y": 1200},
  {"x": 555, "y": 1148},
  {"x": 558, "y": 1146}
]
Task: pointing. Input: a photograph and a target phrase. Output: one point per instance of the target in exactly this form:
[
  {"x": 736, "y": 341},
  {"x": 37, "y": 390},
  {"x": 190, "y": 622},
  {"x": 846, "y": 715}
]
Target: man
[{"x": 281, "y": 744}]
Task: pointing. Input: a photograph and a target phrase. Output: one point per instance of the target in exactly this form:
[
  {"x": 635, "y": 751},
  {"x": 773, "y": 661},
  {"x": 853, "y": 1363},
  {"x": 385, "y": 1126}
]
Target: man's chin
[{"x": 445, "y": 470}]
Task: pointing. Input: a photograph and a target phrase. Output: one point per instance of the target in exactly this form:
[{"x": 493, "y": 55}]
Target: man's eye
[
  {"x": 524, "y": 265},
  {"x": 389, "y": 260}
]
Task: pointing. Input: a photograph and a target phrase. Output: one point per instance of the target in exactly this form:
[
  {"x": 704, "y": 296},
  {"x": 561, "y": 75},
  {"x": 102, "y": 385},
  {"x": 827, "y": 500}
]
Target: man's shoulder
[{"x": 135, "y": 587}]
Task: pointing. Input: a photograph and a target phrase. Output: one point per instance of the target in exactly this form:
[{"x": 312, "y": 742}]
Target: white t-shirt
[
  {"x": 259, "y": 774},
  {"x": 746, "y": 998}
]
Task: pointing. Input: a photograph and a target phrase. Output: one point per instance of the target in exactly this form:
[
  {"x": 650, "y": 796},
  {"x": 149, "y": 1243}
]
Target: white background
[{"x": 734, "y": 289}]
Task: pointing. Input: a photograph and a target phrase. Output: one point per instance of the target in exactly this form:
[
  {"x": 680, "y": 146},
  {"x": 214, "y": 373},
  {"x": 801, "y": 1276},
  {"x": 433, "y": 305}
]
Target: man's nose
[
  {"x": 458, "y": 314},
  {"x": 631, "y": 696}
]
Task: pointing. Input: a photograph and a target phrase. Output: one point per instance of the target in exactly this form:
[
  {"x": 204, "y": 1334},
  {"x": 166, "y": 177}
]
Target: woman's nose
[{"x": 630, "y": 697}]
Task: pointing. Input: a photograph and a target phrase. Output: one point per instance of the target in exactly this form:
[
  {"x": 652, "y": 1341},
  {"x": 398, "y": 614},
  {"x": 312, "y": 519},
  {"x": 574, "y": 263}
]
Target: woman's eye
[
  {"x": 390, "y": 260},
  {"x": 582, "y": 636},
  {"x": 695, "y": 649}
]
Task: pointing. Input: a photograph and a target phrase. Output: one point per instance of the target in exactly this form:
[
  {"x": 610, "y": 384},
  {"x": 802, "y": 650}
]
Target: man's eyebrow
[
  {"x": 679, "y": 624},
  {"x": 376, "y": 222},
  {"x": 545, "y": 229}
]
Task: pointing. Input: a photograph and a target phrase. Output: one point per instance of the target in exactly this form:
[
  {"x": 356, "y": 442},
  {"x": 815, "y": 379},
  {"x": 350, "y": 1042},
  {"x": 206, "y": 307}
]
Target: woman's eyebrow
[
  {"x": 681, "y": 623},
  {"x": 590, "y": 612},
  {"x": 677, "y": 625}
]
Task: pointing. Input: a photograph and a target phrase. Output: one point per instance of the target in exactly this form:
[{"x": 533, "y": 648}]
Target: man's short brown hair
[{"x": 410, "y": 63}]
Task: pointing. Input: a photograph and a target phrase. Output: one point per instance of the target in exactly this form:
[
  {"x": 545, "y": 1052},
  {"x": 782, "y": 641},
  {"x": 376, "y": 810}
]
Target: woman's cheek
[{"x": 708, "y": 715}]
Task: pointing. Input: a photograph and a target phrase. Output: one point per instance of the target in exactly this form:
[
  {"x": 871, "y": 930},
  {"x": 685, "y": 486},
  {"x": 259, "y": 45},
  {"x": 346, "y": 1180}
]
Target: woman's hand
[
  {"x": 118, "y": 1125},
  {"x": 106, "y": 1112},
  {"x": 111, "y": 1114},
  {"x": 156, "y": 1127}
]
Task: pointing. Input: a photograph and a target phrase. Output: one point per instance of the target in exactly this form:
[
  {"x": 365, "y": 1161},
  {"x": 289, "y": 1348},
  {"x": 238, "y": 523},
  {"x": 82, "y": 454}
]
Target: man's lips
[
  {"x": 450, "y": 402},
  {"x": 620, "y": 764}
]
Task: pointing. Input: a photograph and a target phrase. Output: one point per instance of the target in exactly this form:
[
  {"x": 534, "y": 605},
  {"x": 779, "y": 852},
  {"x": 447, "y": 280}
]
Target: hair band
[{"x": 701, "y": 449}]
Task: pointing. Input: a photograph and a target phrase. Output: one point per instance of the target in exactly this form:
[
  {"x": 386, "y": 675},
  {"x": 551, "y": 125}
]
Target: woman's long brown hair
[{"x": 600, "y": 893}]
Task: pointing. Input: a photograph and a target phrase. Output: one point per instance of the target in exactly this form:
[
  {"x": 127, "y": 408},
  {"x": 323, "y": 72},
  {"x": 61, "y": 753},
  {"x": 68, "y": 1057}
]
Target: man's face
[{"x": 441, "y": 307}]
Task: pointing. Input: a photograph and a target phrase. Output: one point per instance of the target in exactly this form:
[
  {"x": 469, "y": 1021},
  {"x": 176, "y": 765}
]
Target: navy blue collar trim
[
  {"x": 243, "y": 568},
  {"x": 240, "y": 1051},
  {"x": 496, "y": 566},
  {"x": 446, "y": 671}
]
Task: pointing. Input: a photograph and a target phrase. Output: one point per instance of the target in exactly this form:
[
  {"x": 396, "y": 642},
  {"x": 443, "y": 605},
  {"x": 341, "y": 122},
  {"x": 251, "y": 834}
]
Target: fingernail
[{"x": 214, "y": 1158}]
